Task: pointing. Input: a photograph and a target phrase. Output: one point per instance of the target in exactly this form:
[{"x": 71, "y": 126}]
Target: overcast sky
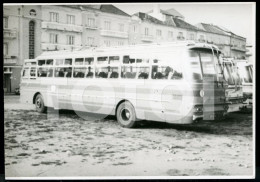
[{"x": 237, "y": 17}]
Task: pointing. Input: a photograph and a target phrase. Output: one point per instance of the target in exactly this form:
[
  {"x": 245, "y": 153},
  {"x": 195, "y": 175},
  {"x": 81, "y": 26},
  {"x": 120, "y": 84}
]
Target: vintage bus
[
  {"x": 171, "y": 82},
  {"x": 234, "y": 92},
  {"x": 245, "y": 70}
]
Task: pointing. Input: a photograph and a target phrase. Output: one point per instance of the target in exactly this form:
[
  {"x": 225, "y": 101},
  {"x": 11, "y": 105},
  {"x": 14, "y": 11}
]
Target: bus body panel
[{"x": 173, "y": 101}]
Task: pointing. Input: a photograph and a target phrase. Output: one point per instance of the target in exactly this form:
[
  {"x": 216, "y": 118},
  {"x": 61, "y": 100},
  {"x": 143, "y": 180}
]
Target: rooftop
[
  {"x": 175, "y": 22},
  {"x": 171, "y": 12},
  {"x": 183, "y": 24},
  {"x": 107, "y": 8},
  {"x": 212, "y": 28}
]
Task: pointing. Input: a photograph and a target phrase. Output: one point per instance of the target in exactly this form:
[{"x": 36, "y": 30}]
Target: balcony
[
  {"x": 92, "y": 27},
  {"x": 62, "y": 27},
  {"x": 147, "y": 38},
  {"x": 10, "y": 33},
  {"x": 10, "y": 59},
  {"x": 56, "y": 47},
  {"x": 236, "y": 48},
  {"x": 112, "y": 33}
]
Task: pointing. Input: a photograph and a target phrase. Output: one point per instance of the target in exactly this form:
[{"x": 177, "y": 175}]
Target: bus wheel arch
[{"x": 125, "y": 114}]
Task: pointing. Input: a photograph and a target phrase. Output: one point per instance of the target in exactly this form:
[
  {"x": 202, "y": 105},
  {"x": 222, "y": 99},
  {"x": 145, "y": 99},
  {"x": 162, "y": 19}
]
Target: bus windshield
[
  {"x": 228, "y": 73},
  {"x": 245, "y": 72},
  {"x": 202, "y": 64}
]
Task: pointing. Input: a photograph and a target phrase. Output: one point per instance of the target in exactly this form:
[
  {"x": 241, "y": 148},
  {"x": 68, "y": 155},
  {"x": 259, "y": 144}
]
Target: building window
[
  {"x": 5, "y": 21},
  {"x": 53, "y": 38},
  {"x": 170, "y": 34},
  {"x": 31, "y": 39},
  {"x": 146, "y": 31},
  {"x": 120, "y": 43},
  {"x": 201, "y": 38},
  {"x": 70, "y": 40},
  {"x": 107, "y": 25},
  {"x": 5, "y": 49},
  {"x": 54, "y": 17},
  {"x": 91, "y": 22},
  {"x": 121, "y": 27},
  {"x": 107, "y": 43},
  {"x": 192, "y": 36},
  {"x": 180, "y": 36},
  {"x": 90, "y": 41},
  {"x": 134, "y": 29},
  {"x": 159, "y": 33},
  {"x": 70, "y": 19}
]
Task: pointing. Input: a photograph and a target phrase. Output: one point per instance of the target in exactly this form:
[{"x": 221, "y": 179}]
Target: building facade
[
  {"x": 22, "y": 30},
  {"x": 231, "y": 45},
  {"x": 32, "y": 29}
]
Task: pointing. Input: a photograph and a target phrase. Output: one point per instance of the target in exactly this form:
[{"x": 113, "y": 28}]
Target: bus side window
[
  {"x": 68, "y": 72},
  {"x": 49, "y": 62},
  {"x": 143, "y": 72},
  {"x": 128, "y": 72},
  {"x": 26, "y": 72},
  {"x": 113, "y": 59},
  {"x": 89, "y": 61},
  {"x": 79, "y": 61},
  {"x": 59, "y": 72},
  {"x": 101, "y": 72},
  {"x": 158, "y": 72},
  {"x": 79, "y": 72},
  {"x": 41, "y": 62},
  {"x": 59, "y": 61},
  {"x": 113, "y": 72},
  {"x": 126, "y": 60},
  {"x": 68, "y": 61},
  {"x": 50, "y": 72},
  {"x": 33, "y": 72},
  {"x": 102, "y": 60},
  {"x": 89, "y": 72},
  {"x": 42, "y": 72}
]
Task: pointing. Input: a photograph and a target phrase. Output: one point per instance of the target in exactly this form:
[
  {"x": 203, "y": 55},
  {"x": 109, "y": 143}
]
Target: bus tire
[
  {"x": 39, "y": 104},
  {"x": 126, "y": 116}
]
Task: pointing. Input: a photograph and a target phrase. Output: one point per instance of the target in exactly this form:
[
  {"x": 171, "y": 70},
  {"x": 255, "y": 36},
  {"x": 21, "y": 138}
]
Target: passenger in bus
[
  {"x": 103, "y": 73},
  {"x": 79, "y": 74},
  {"x": 50, "y": 73},
  {"x": 89, "y": 73},
  {"x": 68, "y": 72},
  {"x": 114, "y": 75},
  {"x": 143, "y": 74},
  {"x": 59, "y": 72}
]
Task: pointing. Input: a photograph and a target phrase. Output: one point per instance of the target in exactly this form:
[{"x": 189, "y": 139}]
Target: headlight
[{"x": 202, "y": 93}]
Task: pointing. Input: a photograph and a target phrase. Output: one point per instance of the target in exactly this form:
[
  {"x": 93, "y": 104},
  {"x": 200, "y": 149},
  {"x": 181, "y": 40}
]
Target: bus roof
[{"x": 131, "y": 48}]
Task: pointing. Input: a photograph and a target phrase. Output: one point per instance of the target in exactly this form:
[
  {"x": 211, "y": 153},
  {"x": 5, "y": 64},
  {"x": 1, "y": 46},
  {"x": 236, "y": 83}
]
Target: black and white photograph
[{"x": 129, "y": 90}]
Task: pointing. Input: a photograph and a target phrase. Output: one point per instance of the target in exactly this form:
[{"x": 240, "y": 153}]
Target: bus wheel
[
  {"x": 126, "y": 115},
  {"x": 39, "y": 103}
]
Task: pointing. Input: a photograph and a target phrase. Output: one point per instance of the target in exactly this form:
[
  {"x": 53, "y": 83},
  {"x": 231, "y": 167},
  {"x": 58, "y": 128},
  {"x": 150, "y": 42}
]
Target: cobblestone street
[{"x": 56, "y": 145}]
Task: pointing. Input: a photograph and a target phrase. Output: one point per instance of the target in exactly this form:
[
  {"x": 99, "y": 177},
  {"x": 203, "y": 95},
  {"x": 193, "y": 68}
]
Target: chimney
[{"x": 156, "y": 8}]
